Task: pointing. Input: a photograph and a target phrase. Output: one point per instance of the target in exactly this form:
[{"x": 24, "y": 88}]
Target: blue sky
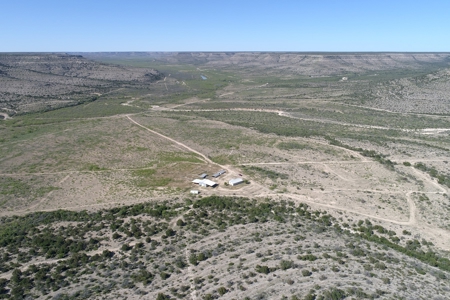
[{"x": 137, "y": 25}]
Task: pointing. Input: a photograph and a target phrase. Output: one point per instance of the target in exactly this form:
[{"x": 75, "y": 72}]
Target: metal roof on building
[
  {"x": 219, "y": 173},
  {"x": 204, "y": 182},
  {"x": 209, "y": 182},
  {"x": 235, "y": 181}
]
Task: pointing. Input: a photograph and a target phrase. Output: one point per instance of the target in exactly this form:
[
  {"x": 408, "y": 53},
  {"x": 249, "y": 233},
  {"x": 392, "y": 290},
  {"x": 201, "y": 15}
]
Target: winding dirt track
[
  {"x": 262, "y": 191},
  {"x": 286, "y": 114},
  {"x": 248, "y": 191},
  {"x": 430, "y": 180},
  {"x": 257, "y": 190},
  {"x": 265, "y": 193},
  {"x": 304, "y": 199}
]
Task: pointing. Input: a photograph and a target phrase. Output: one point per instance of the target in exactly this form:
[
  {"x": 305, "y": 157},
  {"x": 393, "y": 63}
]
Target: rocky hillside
[
  {"x": 213, "y": 248},
  {"x": 31, "y": 82}
]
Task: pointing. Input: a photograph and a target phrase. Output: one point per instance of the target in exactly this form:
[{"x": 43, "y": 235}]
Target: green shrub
[
  {"x": 309, "y": 257},
  {"x": 334, "y": 294},
  {"x": 193, "y": 259},
  {"x": 143, "y": 276},
  {"x": 126, "y": 247},
  {"x": 286, "y": 264},
  {"x": 262, "y": 269},
  {"x": 161, "y": 296},
  {"x": 222, "y": 290},
  {"x": 170, "y": 232}
]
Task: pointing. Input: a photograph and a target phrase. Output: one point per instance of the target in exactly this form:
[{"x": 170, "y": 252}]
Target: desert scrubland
[{"x": 344, "y": 158}]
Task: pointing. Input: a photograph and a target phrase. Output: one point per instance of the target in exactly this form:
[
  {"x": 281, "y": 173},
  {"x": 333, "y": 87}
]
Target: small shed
[
  {"x": 235, "y": 181},
  {"x": 195, "y": 192},
  {"x": 203, "y": 175}
]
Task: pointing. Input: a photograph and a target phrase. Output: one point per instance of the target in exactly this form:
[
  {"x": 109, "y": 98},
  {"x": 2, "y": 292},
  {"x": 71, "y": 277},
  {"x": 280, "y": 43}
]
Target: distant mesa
[{"x": 40, "y": 82}]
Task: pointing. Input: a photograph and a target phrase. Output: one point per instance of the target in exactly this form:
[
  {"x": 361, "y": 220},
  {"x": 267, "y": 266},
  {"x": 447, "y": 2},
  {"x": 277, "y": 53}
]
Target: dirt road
[
  {"x": 230, "y": 169},
  {"x": 205, "y": 158}
]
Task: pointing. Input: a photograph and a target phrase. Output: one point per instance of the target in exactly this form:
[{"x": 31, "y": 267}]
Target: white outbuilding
[
  {"x": 235, "y": 181},
  {"x": 204, "y": 182}
]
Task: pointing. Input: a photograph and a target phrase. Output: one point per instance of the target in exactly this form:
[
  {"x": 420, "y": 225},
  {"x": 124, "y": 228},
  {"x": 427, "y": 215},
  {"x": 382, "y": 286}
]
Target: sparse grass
[
  {"x": 42, "y": 191},
  {"x": 179, "y": 157},
  {"x": 292, "y": 146},
  {"x": 145, "y": 173},
  {"x": 12, "y": 186},
  {"x": 253, "y": 171}
]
